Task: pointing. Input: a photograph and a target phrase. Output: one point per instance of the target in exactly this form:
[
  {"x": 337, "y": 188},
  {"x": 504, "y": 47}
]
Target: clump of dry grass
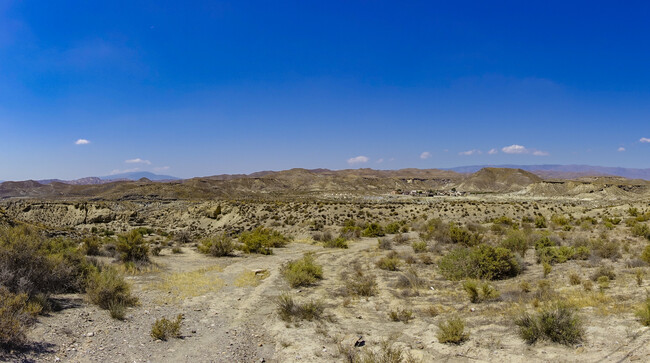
[
  {"x": 250, "y": 278},
  {"x": 557, "y": 323},
  {"x": 452, "y": 331},
  {"x": 302, "y": 272},
  {"x": 164, "y": 328},
  {"x": 184, "y": 285},
  {"x": 290, "y": 310}
]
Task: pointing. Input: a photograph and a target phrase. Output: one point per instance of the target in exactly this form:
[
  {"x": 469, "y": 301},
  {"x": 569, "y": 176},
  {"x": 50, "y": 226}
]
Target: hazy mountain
[
  {"x": 137, "y": 175},
  {"x": 565, "y": 171}
]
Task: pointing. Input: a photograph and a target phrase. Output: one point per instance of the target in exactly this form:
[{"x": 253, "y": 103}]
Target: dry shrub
[
  {"x": 452, "y": 331},
  {"x": 643, "y": 313},
  {"x": 403, "y": 315},
  {"x": 557, "y": 323},
  {"x": 132, "y": 247},
  {"x": 15, "y": 318},
  {"x": 164, "y": 328},
  {"x": 359, "y": 283},
  {"x": 261, "y": 240},
  {"x": 108, "y": 290},
  {"x": 218, "y": 246},
  {"x": 290, "y": 310},
  {"x": 389, "y": 262}
]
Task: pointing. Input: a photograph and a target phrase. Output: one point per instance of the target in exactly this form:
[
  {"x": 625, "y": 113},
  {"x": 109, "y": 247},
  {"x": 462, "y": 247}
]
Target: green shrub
[
  {"x": 410, "y": 279},
  {"x": 480, "y": 262},
  {"x": 261, "y": 240},
  {"x": 218, "y": 246},
  {"x": 645, "y": 255},
  {"x": 373, "y": 230},
  {"x": 607, "y": 271},
  {"x": 479, "y": 293},
  {"x": 540, "y": 221},
  {"x": 132, "y": 247},
  {"x": 463, "y": 236},
  {"x": 384, "y": 244},
  {"x": 606, "y": 248},
  {"x": 452, "y": 331},
  {"x": 164, "y": 328},
  {"x": 641, "y": 230},
  {"x": 557, "y": 323},
  {"x": 339, "y": 242},
  {"x": 302, "y": 272},
  {"x": 516, "y": 241},
  {"x": 107, "y": 288},
  {"x": 419, "y": 246},
  {"x": 392, "y": 228},
  {"x": 553, "y": 255},
  {"x": 644, "y": 313},
  {"x": 559, "y": 220},
  {"x": 390, "y": 262},
  {"x": 350, "y": 230},
  {"x": 91, "y": 246},
  {"x": 289, "y": 310}
]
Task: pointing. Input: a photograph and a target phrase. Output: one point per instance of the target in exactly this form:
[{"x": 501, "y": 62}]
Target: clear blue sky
[{"x": 194, "y": 88}]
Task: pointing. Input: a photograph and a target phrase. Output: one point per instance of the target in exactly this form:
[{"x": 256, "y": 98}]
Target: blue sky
[{"x": 197, "y": 88}]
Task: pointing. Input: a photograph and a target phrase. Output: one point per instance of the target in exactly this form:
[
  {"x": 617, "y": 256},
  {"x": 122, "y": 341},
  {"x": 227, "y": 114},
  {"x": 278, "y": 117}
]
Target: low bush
[
  {"x": 452, "y": 331},
  {"x": 390, "y": 262},
  {"x": 218, "y": 246},
  {"x": 482, "y": 262},
  {"x": 392, "y": 228},
  {"x": 261, "y": 240},
  {"x": 302, "y": 272},
  {"x": 91, "y": 246},
  {"x": 164, "y": 328},
  {"x": 643, "y": 313},
  {"x": 339, "y": 242},
  {"x": 557, "y": 323},
  {"x": 290, "y": 310},
  {"x": 132, "y": 247},
  {"x": 516, "y": 241},
  {"x": 410, "y": 279},
  {"x": 373, "y": 230},
  {"x": 480, "y": 292},
  {"x": 419, "y": 246},
  {"x": 107, "y": 288},
  {"x": 384, "y": 244},
  {"x": 403, "y": 315},
  {"x": 607, "y": 271},
  {"x": 540, "y": 222},
  {"x": 15, "y": 318},
  {"x": 360, "y": 283},
  {"x": 641, "y": 230},
  {"x": 645, "y": 255}
]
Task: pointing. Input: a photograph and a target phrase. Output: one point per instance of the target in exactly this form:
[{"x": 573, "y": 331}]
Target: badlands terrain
[{"x": 328, "y": 266}]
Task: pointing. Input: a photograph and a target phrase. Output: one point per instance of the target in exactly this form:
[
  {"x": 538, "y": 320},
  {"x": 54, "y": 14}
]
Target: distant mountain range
[
  {"x": 112, "y": 178},
  {"x": 565, "y": 171}
]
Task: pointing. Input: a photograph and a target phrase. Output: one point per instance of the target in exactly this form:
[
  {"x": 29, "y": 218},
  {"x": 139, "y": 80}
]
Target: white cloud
[
  {"x": 82, "y": 142},
  {"x": 620, "y": 149},
  {"x": 358, "y": 160},
  {"x": 470, "y": 152},
  {"x": 425, "y": 155},
  {"x": 514, "y": 149},
  {"x": 644, "y": 139},
  {"x": 493, "y": 151},
  {"x": 161, "y": 168},
  {"x": 380, "y": 161},
  {"x": 519, "y": 149},
  {"x": 137, "y": 161}
]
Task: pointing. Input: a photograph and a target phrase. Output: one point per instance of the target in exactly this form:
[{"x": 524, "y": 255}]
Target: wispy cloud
[
  {"x": 470, "y": 152},
  {"x": 358, "y": 160},
  {"x": 620, "y": 149},
  {"x": 493, "y": 151},
  {"x": 514, "y": 149},
  {"x": 82, "y": 142},
  {"x": 644, "y": 139},
  {"x": 520, "y": 149},
  {"x": 138, "y": 161},
  {"x": 161, "y": 168},
  {"x": 425, "y": 155},
  {"x": 379, "y": 161}
]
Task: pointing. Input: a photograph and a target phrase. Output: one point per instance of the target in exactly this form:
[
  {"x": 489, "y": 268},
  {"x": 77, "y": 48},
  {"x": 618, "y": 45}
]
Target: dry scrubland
[{"x": 388, "y": 280}]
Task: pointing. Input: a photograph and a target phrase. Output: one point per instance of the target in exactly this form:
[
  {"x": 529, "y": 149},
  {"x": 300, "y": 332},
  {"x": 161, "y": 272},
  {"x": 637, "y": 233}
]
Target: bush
[
  {"x": 339, "y": 242},
  {"x": 91, "y": 246},
  {"x": 516, "y": 241},
  {"x": 359, "y": 283},
  {"x": 261, "y": 240},
  {"x": 540, "y": 222},
  {"x": 384, "y": 244},
  {"x": 410, "y": 279},
  {"x": 403, "y": 315},
  {"x": 479, "y": 293},
  {"x": 605, "y": 248},
  {"x": 645, "y": 255},
  {"x": 392, "y": 228},
  {"x": 644, "y": 313},
  {"x": 107, "y": 288},
  {"x": 164, "y": 328},
  {"x": 14, "y": 318},
  {"x": 290, "y": 310},
  {"x": 218, "y": 246},
  {"x": 480, "y": 262},
  {"x": 557, "y": 323},
  {"x": 641, "y": 230},
  {"x": 419, "y": 246},
  {"x": 302, "y": 272},
  {"x": 389, "y": 262},
  {"x": 350, "y": 230},
  {"x": 132, "y": 247},
  {"x": 373, "y": 230},
  {"x": 463, "y": 236},
  {"x": 553, "y": 255},
  {"x": 607, "y": 271},
  {"x": 452, "y": 331}
]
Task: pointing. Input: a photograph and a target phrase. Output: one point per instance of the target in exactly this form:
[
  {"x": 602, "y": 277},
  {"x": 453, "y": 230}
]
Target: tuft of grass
[
  {"x": 452, "y": 331},
  {"x": 302, "y": 272},
  {"x": 360, "y": 283},
  {"x": 250, "y": 278},
  {"x": 108, "y": 290},
  {"x": 164, "y": 328},
  {"x": 14, "y": 318},
  {"x": 389, "y": 262},
  {"x": 479, "y": 293},
  {"x": 410, "y": 280},
  {"x": 339, "y": 242},
  {"x": 607, "y": 271},
  {"x": 419, "y": 246},
  {"x": 184, "y": 285},
  {"x": 387, "y": 353},
  {"x": 557, "y": 323},
  {"x": 574, "y": 278}
]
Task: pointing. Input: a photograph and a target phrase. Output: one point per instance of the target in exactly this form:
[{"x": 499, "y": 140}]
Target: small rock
[{"x": 91, "y": 334}]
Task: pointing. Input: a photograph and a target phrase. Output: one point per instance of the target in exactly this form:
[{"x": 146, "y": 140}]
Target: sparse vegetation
[
  {"x": 290, "y": 310},
  {"x": 480, "y": 262},
  {"x": 557, "y": 323},
  {"x": 218, "y": 246},
  {"x": 164, "y": 328},
  {"x": 262, "y": 240},
  {"x": 132, "y": 247},
  {"x": 302, "y": 272},
  {"x": 452, "y": 331}
]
